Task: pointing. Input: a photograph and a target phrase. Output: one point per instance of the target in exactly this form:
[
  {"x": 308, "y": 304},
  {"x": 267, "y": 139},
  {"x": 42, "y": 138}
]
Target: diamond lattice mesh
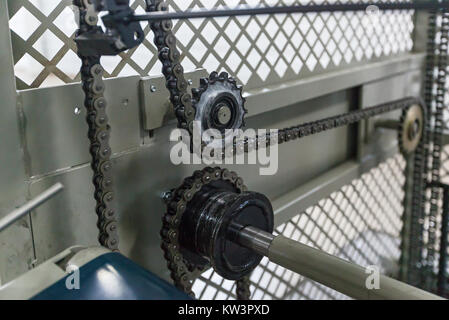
[
  {"x": 361, "y": 223},
  {"x": 256, "y": 50}
]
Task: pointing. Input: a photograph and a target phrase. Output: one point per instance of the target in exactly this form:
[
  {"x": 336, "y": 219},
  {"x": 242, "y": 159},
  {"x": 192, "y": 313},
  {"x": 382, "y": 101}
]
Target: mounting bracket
[{"x": 156, "y": 106}]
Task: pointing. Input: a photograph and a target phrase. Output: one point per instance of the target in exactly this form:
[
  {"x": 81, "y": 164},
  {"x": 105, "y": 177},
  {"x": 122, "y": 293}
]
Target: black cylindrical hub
[{"x": 208, "y": 228}]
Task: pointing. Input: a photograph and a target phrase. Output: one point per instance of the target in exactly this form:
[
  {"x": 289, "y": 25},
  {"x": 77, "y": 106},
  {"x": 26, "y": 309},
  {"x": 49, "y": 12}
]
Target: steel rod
[
  {"x": 245, "y": 11},
  {"x": 387, "y": 124},
  {"x": 333, "y": 272},
  {"x": 18, "y": 213},
  {"x": 255, "y": 239}
]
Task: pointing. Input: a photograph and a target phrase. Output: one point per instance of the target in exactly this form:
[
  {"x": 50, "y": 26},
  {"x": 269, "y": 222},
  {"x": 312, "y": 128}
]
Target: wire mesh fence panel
[
  {"x": 257, "y": 50},
  {"x": 360, "y": 223}
]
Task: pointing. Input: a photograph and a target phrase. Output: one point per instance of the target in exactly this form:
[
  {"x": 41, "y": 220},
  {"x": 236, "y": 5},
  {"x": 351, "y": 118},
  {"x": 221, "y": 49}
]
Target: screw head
[
  {"x": 224, "y": 114},
  {"x": 166, "y": 196}
]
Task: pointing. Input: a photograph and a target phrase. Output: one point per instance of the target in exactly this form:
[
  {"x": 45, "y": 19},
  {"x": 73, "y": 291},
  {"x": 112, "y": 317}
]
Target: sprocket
[
  {"x": 183, "y": 268},
  {"x": 219, "y": 105},
  {"x": 411, "y": 127}
]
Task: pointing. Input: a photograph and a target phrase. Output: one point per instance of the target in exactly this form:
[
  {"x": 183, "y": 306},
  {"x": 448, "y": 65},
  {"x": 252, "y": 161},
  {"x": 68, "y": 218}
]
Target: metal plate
[
  {"x": 154, "y": 98},
  {"x": 12, "y": 170},
  {"x": 16, "y": 255},
  {"x": 56, "y": 129}
]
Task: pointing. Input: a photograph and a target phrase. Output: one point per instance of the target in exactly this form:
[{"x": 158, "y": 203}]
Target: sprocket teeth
[
  {"x": 224, "y": 76},
  {"x": 213, "y": 76},
  {"x": 204, "y": 82},
  {"x": 196, "y": 93}
]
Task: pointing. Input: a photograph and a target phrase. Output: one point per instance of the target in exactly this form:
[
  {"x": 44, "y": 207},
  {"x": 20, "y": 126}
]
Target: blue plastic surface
[{"x": 113, "y": 276}]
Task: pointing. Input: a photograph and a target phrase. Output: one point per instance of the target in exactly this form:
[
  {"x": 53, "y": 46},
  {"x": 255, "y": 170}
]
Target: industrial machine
[{"x": 332, "y": 113}]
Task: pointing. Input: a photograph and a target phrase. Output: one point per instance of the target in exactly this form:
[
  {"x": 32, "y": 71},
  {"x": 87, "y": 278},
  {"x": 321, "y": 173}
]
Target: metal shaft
[
  {"x": 18, "y": 213},
  {"x": 245, "y": 11},
  {"x": 387, "y": 124},
  {"x": 343, "y": 276}
]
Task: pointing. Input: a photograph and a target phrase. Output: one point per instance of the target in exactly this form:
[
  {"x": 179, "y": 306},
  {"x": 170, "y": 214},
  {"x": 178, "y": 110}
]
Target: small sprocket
[
  {"x": 411, "y": 128},
  {"x": 219, "y": 105}
]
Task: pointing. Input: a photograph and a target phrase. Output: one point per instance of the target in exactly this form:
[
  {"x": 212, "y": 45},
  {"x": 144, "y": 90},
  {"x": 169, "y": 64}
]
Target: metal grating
[
  {"x": 256, "y": 50},
  {"x": 361, "y": 223}
]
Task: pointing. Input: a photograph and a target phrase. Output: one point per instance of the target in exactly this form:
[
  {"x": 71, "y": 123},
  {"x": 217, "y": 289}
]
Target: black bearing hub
[
  {"x": 209, "y": 227},
  {"x": 223, "y": 112}
]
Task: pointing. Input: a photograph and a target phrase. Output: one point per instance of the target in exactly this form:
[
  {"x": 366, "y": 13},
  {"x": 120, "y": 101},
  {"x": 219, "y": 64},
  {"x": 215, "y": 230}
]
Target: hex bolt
[
  {"x": 77, "y": 111},
  {"x": 165, "y": 196}
]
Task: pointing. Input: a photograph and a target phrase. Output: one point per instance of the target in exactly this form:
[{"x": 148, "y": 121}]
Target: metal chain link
[
  {"x": 311, "y": 128},
  {"x": 99, "y": 134},
  {"x": 437, "y": 144},
  {"x": 169, "y": 55}
]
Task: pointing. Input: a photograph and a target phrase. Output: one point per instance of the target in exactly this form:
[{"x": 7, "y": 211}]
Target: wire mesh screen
[
  {"x": 361, "y": 223},
  {"x": 256, "y": 50}
]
